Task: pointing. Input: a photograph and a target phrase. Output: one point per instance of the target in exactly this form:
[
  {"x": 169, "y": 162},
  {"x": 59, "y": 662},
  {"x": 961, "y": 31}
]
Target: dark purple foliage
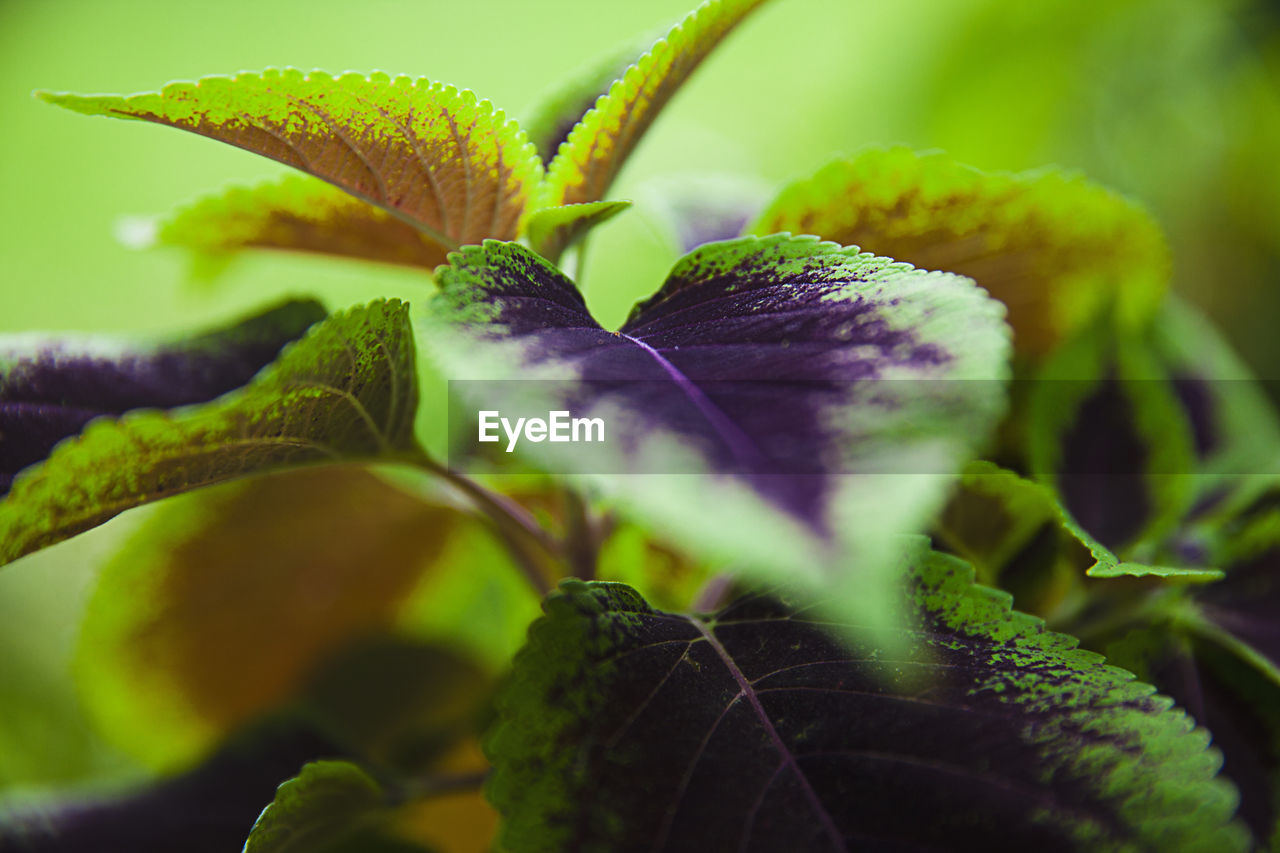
[
  {"x": 748, "y": 354},
  {"x": 207, "y": 810},
  {"x": 52, "y": 390}
]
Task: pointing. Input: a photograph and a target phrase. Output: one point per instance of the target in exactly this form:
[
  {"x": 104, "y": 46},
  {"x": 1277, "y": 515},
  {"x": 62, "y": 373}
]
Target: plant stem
[
  {"x": 712, "y": 596},
  {"x": 582, "y": 536},
  {"x": 513, "y": 524},
  {"x": 434, "y": 786}
]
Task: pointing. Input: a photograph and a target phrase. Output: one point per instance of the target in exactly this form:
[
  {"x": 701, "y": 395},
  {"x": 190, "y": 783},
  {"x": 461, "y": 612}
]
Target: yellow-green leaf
[
  {"x": 223, "y": 605},
  {"x": 1055, "y": 248},
  {"x": 601, "y": 142},
  {"x": 298, "y": 214}
]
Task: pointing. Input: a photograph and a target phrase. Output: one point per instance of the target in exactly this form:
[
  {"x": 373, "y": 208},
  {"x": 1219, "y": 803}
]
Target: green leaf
[
  {"x": 1139, "y": 570},
  {"x": 1018, "y": 537},
  {"x": 441, "y": 160},
  {"x": 1235, "y": 429},
  {"x": 223, "y": 604},
  {"x": 551, "y": 230},
  {"x": 1056, "y": 249},
  {"x": 1107, "y": 432},
  {"x": 626, "y": 728},
  {"x": 557, "y": 111},
  {"x": 347, "y": 391},
  {"x": 321, "y": 807},
  {"x": 597, "y": 147},
  {"x": 298, "y": 214}
]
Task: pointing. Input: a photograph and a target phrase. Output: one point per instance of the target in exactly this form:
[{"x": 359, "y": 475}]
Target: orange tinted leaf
[
  {"x": 438, "y": 158},
  {"x": 225, "y": 602},
  {"x": 299, "y": 214},
  {"x": 1056, "y": 249}
]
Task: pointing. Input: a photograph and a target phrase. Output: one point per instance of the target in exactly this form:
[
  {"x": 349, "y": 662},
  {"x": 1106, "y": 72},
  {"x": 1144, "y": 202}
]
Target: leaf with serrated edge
[
  {"x": 1018, "y": 537},
  {"x": 439, "y": 159},
  {"x": 780, "y": 370},
  {"x": 51, "y": 386},
  {"x": 1234, "y": 426},
  {"x": 194, "y": 627},
  {"x": 597, "y": 147},
  {"x": 551, "y": 230},
  {"x": 558, "y": 110},
  {"x": 1056, "y": 249},
  {"x": 298, "y": 214},
  {"x": 345, "y": 392},
  {"x": 1107, "y": 432},
  {"x": 625, "y": 728},
  {"x": 1139, "y": 570}
]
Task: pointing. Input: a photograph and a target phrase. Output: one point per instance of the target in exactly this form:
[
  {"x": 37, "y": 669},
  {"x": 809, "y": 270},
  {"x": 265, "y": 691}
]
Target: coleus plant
[{"x": 848, "y": 433}]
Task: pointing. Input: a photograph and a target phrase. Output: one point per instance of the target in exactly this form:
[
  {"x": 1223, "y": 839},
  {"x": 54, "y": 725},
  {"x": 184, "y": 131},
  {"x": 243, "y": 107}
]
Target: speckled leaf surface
[
  {"x": 778, "y": 369},
  {"x": 296, "y": 214},
  {"x": 625, "y": 728},
  {"x": 595, "y": 150},
  {"x": 1056, "y": 249},
  {"x": 440, "y": 159},
  {"x": 50, "y": 387},
  {"x": 345, "y": 391}
]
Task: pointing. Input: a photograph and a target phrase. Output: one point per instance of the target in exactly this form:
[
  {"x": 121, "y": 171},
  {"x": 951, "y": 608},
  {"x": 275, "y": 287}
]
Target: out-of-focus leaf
[
  {"x": 626, "y": 728},
  {"x": 397, "y": 702},
  {"x": 698, "y": 209},
  {"x": 346, "y": 391},
  {"x": 1109, "y": 435},
  {"x": 1056, "y": 249},
  {"x": 223, "y": 606},
  {"x": 476, "y": 600},
  {"x": 551, "y": 230},
  {"x": 440, "y": 159},
  {"x": 209, "y": 809},
  {"x": 1234, "y": 427},
  {"x": 1016, "y": 535},
  {"x": 769, "y": 367},
  {"x": 298, "y": 214},
  {"x": 50, "y": 387},
  {"x": 596, "y": 148}
]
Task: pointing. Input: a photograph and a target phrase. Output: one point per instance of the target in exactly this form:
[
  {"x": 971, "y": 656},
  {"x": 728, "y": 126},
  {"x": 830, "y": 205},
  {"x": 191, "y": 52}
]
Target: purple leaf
[
  {"x": 50, "y": 388},
  {"x": 625, "y": 728}
]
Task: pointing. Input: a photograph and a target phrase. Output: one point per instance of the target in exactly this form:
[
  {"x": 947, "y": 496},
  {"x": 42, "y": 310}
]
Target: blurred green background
[{"x": 1174, "y": 103}]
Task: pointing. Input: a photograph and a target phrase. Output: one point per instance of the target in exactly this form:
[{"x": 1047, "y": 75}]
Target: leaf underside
[
  {"x": 625, "y": 728},
  {"x": 297, "y": 214},
  {"x": 439, "y": 159},
  {"x": 345, "y": 392},
  {"x": 1056, "y": 249}
]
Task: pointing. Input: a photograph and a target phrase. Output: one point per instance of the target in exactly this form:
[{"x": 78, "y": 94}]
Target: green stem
[{"x": 514, "y": 525}]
